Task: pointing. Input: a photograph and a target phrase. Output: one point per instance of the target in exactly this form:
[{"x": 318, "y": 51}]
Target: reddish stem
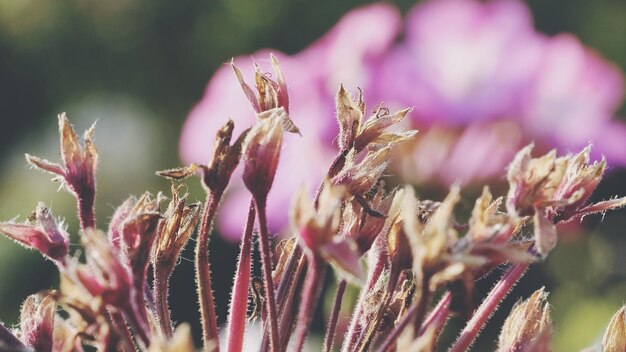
[
  {"x": 86, "y": 212},
  {"x": 332, "y": 325},
  {"x": 438, "y": 315},
  {"x": 161, "y": 292},
  {"x": 239, "y": 300},
  {"x": 312, "y": 289},
  {"x": 488, "y": 307},
  {"x": 203, "y": 274},
  {"x": 266, "y": 261}
]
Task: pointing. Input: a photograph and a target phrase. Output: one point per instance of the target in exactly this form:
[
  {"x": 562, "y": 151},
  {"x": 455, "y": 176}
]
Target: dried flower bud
[
  {"x": 317, "y": 230},
  {"x": 174, "y": 231},
  {"x": 362, "y": 226},
  {"x": 104, "y": 276},
  {"x": 373, "y": 132},
  {"x": 138, "y": 233},
  {"x": 614, "y": 339},
  {"x": 269, "y": 94},
  {"x": 115, "y": 225},
  {"x": 533, "y": 181},
  {"x": 78, "y": 170},
  {"x": 349, "y": 117},
  {"x": 37, "y": 322},
  {"x": 224, "y": 160},
  {"x": 528, "y": 323},
  {"x": 44, "y": 235},
  {"x": 360, "y": 177},
  {"x": 488, "y": 224},
  {"x": 261, "y": 154}
]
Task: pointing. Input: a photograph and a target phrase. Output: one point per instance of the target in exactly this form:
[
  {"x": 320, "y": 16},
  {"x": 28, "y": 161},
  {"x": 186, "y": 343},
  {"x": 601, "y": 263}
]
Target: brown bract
[
  {"x": 528, "y": 327},
  {"x": 614, "y": 339}
]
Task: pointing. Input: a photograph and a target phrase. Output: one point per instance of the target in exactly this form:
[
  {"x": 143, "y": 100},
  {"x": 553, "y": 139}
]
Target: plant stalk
[
  {"x": 488, "y": 307},
  {"x": 239, "y": 300},
  {"x": 203, "y": 274},
  {"x": 332, "y": 325}
]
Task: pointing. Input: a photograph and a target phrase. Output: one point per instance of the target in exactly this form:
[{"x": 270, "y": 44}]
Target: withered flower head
[
  {"x": 104, "y": 276},
  {"x": 79, "y": 166},
  {"x": 318, "y": 230},
  {"x": 360, "y": 176},
  {"x": 614, "y": 339},
  {"x": 37, "y": 321},
  {"x": 174, "y": 230},
  {"x": 528, "y": 327},
  {"x": 354, "y": 133},
  {"x": 363, "y": 226},
  {"x": 270, "y": 94},
  {"x": 488, "y": 223},
  {"x": 42, "y": 234},
  {"x": 554, "y": 190},
  {"x": 430, "y": 242},
  {"x": 139, "y": 231},
  {"x": 261, "y": 153}
]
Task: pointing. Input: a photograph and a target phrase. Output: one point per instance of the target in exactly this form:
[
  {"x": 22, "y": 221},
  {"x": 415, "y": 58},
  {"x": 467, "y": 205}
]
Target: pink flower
[
  {"x": 483, "y": 83},
  {"x": 348, "y": 53}
]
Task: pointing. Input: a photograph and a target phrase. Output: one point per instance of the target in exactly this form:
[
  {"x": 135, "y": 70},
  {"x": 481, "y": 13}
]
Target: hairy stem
[
  {"x": 126, "y": 339},
  {"x": 332, "y": 325},
  {"x": 438, "y": 315},
  {"x": 203, "y": 274},
  {"x": 266, "y": 261},
  {"x": 488, "y": 307},
  {"x": 8, "y": 340},
  {"x": 86, "y": 212},
  {"x": 161, "y": 291},
  {"x": 312, "y": 289},
  {"x": 239, "y": 300}
]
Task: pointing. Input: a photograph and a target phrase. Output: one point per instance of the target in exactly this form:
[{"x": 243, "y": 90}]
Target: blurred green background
[{"x": 138, "y": 67}]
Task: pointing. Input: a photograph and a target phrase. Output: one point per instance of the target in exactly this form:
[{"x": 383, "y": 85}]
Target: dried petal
[
  {"x": 528, "y": 322},
  {"x": 37, "y": 322},
  {"x": 614, "y": 339}
]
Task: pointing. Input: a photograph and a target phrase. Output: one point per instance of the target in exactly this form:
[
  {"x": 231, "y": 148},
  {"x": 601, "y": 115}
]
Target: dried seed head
[
  {"x": 349, "y": 116},
  {"x": 373, "y": 132},
  {"x": 79, "y": 164},
  {"x": 270, "y": 94},
  {"x": 360, "y": 177},
  {"x": 614, "y": 339},
  {"x": 318, "y": 230},
  {"x": 528, "y": 323},
  {"x": 174, "y": 231},
  {"x": 37, "y": 321},
  {"x": 104, "y": 276},
  {"x": 44, "y": 235},
  {"x": 261, "y": 154}
]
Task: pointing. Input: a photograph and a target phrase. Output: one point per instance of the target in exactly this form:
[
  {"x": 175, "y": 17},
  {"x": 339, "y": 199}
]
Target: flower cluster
[
  {"x": 481, "y": 82},
  {"x": 415, "y": 250}
]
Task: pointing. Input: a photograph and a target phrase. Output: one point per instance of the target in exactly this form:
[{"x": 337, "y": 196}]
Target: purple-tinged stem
[
  {"x": 140, "y": 329},
  {"x": 436, "y": 318},
  {"x": 203, "y": 274},
  {"x": 438, "y": 315},
  {"x": 332, "y": 325},
  {"x": 86, "y": 212},
  {"x": 488, "y": 307},
  {"x": 161, "y": 292},
  {"x": 312, "y": 288},
  {"x": 266, "y": 261},
  {"x": 8, "y": 340},
  {"x": 239, "y": 300},
  {"x": 288, "y": 312},
  {"x": 353, "y": 333},
  {"x": 118, "y": 321}
]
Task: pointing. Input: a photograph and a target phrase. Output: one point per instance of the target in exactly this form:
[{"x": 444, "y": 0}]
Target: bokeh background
[{"x": 138, "y": 67}]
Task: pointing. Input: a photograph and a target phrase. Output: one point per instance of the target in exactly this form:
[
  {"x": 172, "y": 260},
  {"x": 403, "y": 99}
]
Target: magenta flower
[{"x": 483, "y": 83}]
